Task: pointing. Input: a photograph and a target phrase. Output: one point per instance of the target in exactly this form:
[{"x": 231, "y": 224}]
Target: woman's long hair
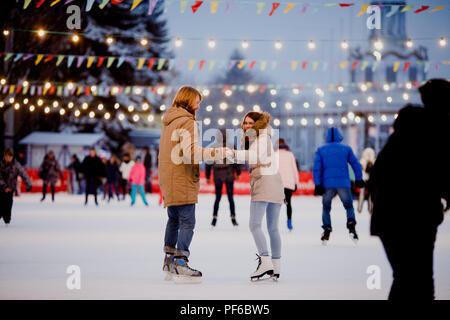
[{"x": 185, "y": 98}]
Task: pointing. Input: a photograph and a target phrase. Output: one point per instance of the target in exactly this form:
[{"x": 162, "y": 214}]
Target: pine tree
[{"x": 125, "y": 26}]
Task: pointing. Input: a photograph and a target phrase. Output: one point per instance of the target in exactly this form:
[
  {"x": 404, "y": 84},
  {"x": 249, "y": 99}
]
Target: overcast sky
[{"x": 319, "y": 23}]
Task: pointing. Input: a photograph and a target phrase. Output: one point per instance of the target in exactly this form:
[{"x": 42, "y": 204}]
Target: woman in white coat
[
  {"x": 266, "y": 188},
  {"x": 289, "y": 175}
]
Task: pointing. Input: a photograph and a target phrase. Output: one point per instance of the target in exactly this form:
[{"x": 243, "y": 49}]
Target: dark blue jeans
[
  {"x": 345, "y": 195},
  {"x": 179, "y": 229}
]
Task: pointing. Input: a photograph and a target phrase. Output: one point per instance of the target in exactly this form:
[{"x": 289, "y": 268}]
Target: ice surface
[{"x": 119, "y": 251}]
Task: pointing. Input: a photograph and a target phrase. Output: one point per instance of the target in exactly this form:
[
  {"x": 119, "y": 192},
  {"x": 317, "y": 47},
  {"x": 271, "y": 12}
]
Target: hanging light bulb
[
  {"x": 75, "y": 38},
  {"x": 41, "y": 33},
  {"x": 344, "y": 120},
  {"x": 145, "y": 106},
  {"x": 306, "y": 105},
  {"x": 228, "y": 92},
  {"x": 47, "y": 109},
  {"x": 221, "y": 121},
  {"x": 240, "y": 108},
  {"x": 256, "y": 108},
  {"x": 339, "y": 103},
  {"x": 276, "y": 122},
  {"x": 150, "y": 118},
  {"x": 244, "y": 44},
  {"x": 178, "y": 42},
  {"x": 304, "y": 122},
  {"x": 77, "y": 113},
  {"x": 311, "y": 45},
  {"x": 70, "y": 105},
  {"x": 205, "y": 92},
  {"x": 223, "y": 106},
  {"x": 32, "y": 108},
  {"x": 25, "y": 83},
  {"x": 273, "y": 104},
  {"x": 55, "y": 104},
  {"x": 135, "y": 118},
  {"x": 317, "y": 121},
  {"x": 100, "y": 107},
  {"x": 6, "y": 33},
  {"x": 278, "y": 45},
  {"x": 40, "y": 102},
  {"x": 330, "y": 121},
  {"x": 273, "y": 92},
  {"x": 290, "y": 122},
  {"x": 288, "y": 106},
  {"x": 355, "y": 102},
  {"x": 209, "y": 108},
  {"x": 389, "y": 99},
  {"x": 212, "y": 43},
  {"x": 91, "y": 114},
  {"x": 378, "y": 44},
  {"x": 116, "y": 105},
  {"x": 344, "y": 44},
  {"x": 251, "y": 88},
  {"x": 442, "y": 42},
  {"x": 84, "y": 106},
  {"x": 409, "y": 43},
  {"x": 207, "y": 121},
  {"x": 235, "y": 122},
  {"x": 107, "y": 116},
  {"x": 109, "y": 40},
  {"x": 143, "y": 42},
  {"x": 47, "y": 85},
  {"x": 3, "y": 81},
  {"x": 130, "y": 108},
  {"x": 70, "y": 85},
  {"x": 62, "y": 112}
]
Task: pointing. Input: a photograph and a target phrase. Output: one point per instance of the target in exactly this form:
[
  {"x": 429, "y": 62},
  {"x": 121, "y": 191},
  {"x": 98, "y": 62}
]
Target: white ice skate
[
  {"x": 276, "y": 269},
  {"x": 185, "y": 274},
  {"x": 265, "y": 267}
]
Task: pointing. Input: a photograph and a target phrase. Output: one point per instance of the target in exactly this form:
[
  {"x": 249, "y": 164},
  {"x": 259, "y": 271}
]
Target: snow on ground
[{"x": 119, "y": 252}]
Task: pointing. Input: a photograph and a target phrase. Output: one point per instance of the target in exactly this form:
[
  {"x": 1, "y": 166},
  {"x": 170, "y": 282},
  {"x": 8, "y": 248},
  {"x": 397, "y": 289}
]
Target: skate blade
[
  {"x": 324, "y": 242},
  {"x": 261, "y": 277},
  {"x": 186, "y": 279},
  {"x": 168, "y": 276}
]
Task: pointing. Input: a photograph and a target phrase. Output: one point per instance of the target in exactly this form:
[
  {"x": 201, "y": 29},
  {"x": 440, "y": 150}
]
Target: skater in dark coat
[
  {"x": 148, "y": 169},
  {"x": 407, "y": 207},
  {"x": 223, "y": 173},
  {"x": 331, "y": 177},
  {"x": 10, "y": 169},
  {"x": 93, "y": 170},
  {"x": 49, "y": 171},
  {"x": 112, "y": 177},
  {"x": 75, "y": 168}
]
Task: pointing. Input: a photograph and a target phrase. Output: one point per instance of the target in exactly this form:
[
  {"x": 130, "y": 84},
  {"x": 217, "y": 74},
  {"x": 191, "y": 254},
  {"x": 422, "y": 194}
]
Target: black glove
[
  {"x": 360, "y": 184},
  {"x": 319, "y": 190}
]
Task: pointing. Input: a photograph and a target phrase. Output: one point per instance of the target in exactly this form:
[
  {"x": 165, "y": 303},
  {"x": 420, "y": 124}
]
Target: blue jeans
[
  {"x": 179, "y": 229},
  {"x": 141, "y": 192},
  {"x": 272, "y": 211},
  {"x": 347, "y": 200}
]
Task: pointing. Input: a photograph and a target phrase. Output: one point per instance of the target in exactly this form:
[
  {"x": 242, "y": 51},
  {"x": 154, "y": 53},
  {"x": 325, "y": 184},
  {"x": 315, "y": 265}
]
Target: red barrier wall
[{"x": 241, "y": 186}]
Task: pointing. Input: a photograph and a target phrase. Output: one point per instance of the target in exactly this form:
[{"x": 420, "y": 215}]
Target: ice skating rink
[{"x": 119, "y": 252}]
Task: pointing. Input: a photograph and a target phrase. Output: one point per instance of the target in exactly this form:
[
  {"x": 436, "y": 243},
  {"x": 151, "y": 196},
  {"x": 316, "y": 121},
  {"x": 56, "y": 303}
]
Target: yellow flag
[
  {"x": 363, "y": 9},
  {"x": 135, "y": 4},
  {"x": 263, "y": 65},
  {"x": 344, "y": 64},
  {"x": 141, "y": 62},
  {"x": 289, "y": 7},
  {"x": 294, "y": 65},
  {"x": 260, "y": 7},
  {"x": 242, "y": 64},
  {"x": 38, "y": 59},
  {"x": 211, "y": 64},
  {"x": 214, "y": 5},
  {"x": 191, "y": 64},
  {"x": 90, "y": 61},
  {"x": 396, "y": 65},
  {"x": 54, "y": 2},
  {"x": 437, "y": 8}
]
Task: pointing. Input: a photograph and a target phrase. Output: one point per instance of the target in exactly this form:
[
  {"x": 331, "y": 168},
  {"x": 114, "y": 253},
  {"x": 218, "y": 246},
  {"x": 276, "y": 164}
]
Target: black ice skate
[
  {"x": 213, "y": 222},
  {"x": 168, "y": 267},
  {"x": 234, "y": 222},
  {"x": 353, "y": 234},
  {"x": 325, "y": 236}
]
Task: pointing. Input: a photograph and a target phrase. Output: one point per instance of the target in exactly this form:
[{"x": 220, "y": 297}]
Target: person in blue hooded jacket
[{"x": 331, "y": 177}]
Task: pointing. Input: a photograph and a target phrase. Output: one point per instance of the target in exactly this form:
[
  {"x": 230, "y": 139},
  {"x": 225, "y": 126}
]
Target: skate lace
[{"x": 259, "y": 261}]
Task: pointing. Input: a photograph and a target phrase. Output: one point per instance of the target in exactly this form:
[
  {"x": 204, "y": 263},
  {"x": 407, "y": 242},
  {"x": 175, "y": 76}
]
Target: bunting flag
[
  {"x": 211, "y": 64},
  {"x": 141, "y": 62},
  {"x": 171, "y": 64},
  {"x": 161, "y": 63},
  {"x": 214, "y": 5},
  {"x": 183, "y": 5},
  {"x": 394, "y": 9},
  {"x": 343, "y": 64},
  {"x": 354, "y": 65},
  {"x": 314, "y": 65},
  {"x": 59, "y": 60},
  {"x": 232, "y": 64},
  {"x": 260, "y": 6},
  {"x": 26, "y": 3},
  {"x": 304, "y": 64},
  {"x": 54, "y": 2},
  {"x": 38, "y": 59},
  {"x": 120, "y": 61},
  {"x": 7, "y": 56},
  {"x": 241, "y": 64},
  {"x": 437, "y": 8},
  {"x": 103, "y": 4},
  {"x": 18, "y": 56},
  {"x": 151, "y": 6},
  {"x": 50, "y": 57},
  {"x": 289, "y": 7},
  {"x": 304, "y": 8},
  {"x": 135, "y": 4},
  {"x": 151, "y": 63},
  {"x": 40, "y": 2},
  {"x": 227, "y": 9},
  {"x": 396, "y": 65},
  {"x": 294, "y": 65},
  {"x": 191, "y": 64},
  {"x": 201, "y": 64},
  {"x": 196, "y": 6},
  {"x": 70, "y": 60},
  {"x": 89, "y": 4},
  {"x": 406, "y": 67},
  {"x": 325, "y": 66},
  {"x": 110, "y": 61},
  {"x": 274, "y": 64},
  {"x": 90, "y": 61},
  {"x": 275, "y": 6},
  {"x": 80, "y": 60},
  {"x": 100, "y": 61},
  {"x": 364, "y": 65},
  {"x": 406, "y": 8},
  {"x": 423, "y": 8},
  {"x": 263, "y": 65},
  {"x": 252, "y": 64},
  {"x": 364, "y": 8},
  {"x": 346, "y": 4}
]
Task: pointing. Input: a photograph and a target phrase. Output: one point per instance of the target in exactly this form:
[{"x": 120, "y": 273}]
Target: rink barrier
[{"x": 241, "y": 186}]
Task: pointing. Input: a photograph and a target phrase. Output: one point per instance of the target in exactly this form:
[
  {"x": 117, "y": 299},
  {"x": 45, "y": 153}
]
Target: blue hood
[{"x": 333, "y": 135}]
